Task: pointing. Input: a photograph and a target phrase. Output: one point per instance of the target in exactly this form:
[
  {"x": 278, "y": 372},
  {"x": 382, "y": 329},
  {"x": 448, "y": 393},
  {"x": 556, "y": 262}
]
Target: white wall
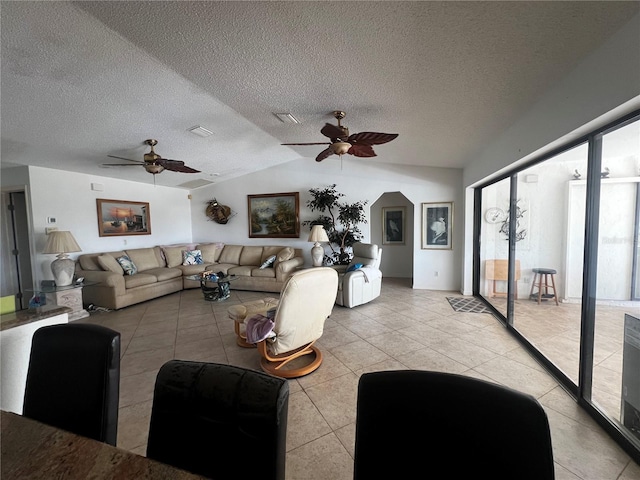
[
  {"x": 68, "y": 197},
  {"x": 358, "y": 180}
]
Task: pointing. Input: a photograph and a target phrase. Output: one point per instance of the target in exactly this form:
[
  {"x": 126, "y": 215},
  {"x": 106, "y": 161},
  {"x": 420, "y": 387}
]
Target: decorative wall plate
[{"x": 495, "y": 215}]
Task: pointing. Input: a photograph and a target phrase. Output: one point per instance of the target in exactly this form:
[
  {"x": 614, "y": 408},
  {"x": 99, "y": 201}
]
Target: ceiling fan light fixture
[
  {"x": 340, "y": 148},
  {"x": 287, "y": 118},
  {"x": 200, "y": 131},
  {"x": 154, "y": 169}
]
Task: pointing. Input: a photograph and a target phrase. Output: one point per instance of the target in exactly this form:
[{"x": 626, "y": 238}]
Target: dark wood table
[{"x": 32, "y": 450}]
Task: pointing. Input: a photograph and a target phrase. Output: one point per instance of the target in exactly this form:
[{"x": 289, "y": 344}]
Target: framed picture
[
  {"x": 121, "y": 217},
  {"x": 437, "y": 225},
  {"x": 393, "y": 225},
  {"x": 274, "y": 215}
]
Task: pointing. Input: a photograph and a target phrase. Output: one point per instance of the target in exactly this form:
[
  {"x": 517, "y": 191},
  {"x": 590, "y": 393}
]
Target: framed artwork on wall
[
  {"x": 122, "y": 217},
  {"x": 274, "y": 215},
  {"x": 393, "y": 225},
  {"x": 437, "y": 225}
]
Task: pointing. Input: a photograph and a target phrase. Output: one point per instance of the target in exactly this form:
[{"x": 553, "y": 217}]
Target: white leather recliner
[
  {"x": 288, "y": 349},
  {"x": 361, "y": 285}
]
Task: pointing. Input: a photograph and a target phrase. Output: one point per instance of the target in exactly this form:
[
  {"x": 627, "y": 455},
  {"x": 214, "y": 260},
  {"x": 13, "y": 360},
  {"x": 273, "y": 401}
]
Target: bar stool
[{"x": 541, "y": 280}]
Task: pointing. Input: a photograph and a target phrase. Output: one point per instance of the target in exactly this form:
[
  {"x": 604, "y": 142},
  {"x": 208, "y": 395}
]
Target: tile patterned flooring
[{"x": 403, "y": 328}]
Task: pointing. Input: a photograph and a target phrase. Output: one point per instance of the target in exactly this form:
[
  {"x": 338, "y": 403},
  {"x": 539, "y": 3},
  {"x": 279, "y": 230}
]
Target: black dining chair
[
  {"x": 219, "y": 421},
  {"x": 422, "y": 424},
  {"x": 73, "y": 379}
]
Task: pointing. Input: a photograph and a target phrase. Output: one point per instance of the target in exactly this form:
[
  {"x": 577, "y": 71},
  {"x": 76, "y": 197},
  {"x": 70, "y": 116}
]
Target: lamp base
[
  {"x": 317, "y": 254},
  {"x": 63, "y": 268}
]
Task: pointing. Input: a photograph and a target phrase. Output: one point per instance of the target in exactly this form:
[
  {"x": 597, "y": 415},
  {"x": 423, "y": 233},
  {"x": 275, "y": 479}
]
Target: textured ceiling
[{"x": 83, "y": 80}]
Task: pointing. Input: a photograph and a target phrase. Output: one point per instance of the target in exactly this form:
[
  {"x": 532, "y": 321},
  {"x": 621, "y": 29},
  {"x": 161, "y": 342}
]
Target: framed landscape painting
[
  {"x": 437, "y": 224},
  {"x": 393, "y": 225},
  {"x": 121, "y": 217},
  {"x": 274, "y": 215}
]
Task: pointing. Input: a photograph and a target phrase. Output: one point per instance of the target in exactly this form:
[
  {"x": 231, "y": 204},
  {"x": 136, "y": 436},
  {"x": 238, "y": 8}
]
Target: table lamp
[
  {"x": 62, "y": 242},
  {"x": 317, "y": 235}
]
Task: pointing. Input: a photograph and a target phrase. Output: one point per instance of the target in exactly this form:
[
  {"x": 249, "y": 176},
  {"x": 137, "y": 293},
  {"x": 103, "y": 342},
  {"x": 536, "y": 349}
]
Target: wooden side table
[{"x": 498, "y": 270}]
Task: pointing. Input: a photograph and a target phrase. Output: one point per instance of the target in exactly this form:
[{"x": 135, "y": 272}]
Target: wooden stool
[{"x": 541, "y": 280}]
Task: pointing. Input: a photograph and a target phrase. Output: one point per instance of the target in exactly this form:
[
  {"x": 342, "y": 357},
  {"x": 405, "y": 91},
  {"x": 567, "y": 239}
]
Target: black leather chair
[
  {"x": 219, "y": 421},
  {"x": 73, "y": 380},
  {"x": 421, "y": 424}
]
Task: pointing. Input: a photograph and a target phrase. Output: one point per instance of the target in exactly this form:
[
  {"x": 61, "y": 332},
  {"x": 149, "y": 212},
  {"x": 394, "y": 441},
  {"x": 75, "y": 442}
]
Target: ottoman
[{"x": 239, "y": 313}]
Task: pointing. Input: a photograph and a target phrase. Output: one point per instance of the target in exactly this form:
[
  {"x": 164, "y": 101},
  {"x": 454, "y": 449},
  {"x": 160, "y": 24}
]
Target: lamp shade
[
  {"x": 318, "y": 234},
  {"x": 62, "y": 242}
]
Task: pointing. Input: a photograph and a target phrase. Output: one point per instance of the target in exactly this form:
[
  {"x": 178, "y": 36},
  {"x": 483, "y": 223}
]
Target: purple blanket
[{"x": 258, "y": 328}]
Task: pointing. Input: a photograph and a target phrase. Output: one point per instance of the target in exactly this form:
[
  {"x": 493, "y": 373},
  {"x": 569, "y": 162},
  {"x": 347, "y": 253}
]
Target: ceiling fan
[
  {"x": 154, "y": 163},
  {"x": 357, "y": 144}
]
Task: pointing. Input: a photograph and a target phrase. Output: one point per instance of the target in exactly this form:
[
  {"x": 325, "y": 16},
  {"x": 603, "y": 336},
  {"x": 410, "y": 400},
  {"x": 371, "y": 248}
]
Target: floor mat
[{"x": 467, "y": 305}]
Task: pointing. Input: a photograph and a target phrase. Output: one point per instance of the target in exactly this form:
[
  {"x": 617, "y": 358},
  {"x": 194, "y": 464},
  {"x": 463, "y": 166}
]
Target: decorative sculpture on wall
[
  {"x": 521, "y": 233},
  {"x": 217, "y": 212}
]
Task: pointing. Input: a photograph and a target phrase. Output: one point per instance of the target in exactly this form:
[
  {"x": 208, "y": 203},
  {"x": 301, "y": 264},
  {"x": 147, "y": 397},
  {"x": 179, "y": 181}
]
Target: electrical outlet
[
  {"x": 435, "y": 274},
  {"x": 526, "y": 279}
]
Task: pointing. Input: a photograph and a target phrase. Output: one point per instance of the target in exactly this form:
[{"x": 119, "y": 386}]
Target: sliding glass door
[{"x": 558, "y": 258}]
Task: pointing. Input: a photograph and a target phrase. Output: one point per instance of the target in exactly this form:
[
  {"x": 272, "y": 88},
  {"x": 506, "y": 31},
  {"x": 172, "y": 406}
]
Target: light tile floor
[{"x": 403, "y": 328}]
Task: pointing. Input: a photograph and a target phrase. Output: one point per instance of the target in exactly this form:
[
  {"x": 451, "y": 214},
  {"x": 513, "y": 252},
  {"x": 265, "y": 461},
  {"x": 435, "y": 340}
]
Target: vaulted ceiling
[{"x": 83, "y": 80}]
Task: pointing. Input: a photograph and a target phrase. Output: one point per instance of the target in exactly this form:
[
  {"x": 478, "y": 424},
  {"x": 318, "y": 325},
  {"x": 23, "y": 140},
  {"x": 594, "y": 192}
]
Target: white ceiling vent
[
  {"x": 200, "y": 131},
  {"x": 287, "y": 118},
  {"x": 195, "y": 183}
]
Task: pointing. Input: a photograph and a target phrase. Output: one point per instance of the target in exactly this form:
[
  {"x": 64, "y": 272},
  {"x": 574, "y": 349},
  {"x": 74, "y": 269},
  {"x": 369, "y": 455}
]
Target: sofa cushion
[
  {"x": 210, "y": 251},
  {"x": 231, "y": 254},
  {"x": 139, "y": 280},
  {"x": 146, "y": 258},
  {"x": 194, "y": 269},
  {"x": 251, "y": 255},
  {"x": 241, "y": 271},
  {"x": 127, "y": 265},
  {"x": 173, "y": 255},
  {"x": 263, "y": 272},
  {"x": 110, "y": 264},
  {"x": 192, "y": 257},
  {"x": 164, "y": 273}
]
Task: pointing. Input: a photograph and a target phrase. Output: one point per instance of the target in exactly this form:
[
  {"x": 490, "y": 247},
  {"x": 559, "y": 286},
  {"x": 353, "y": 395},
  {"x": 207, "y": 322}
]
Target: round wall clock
[{"x": 494, "y": 215}]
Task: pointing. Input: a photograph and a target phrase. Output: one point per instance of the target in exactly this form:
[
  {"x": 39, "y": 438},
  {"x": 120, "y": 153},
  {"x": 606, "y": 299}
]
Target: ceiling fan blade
[
  {"x": 176, "y": 166},
  {"x": 308, "y": 143},
  {"x": 333, "y": 131},
  {"x": 371, "y": 138},
  {"x": 360, "y": 150},
  {"x": 324, "y": 154},
  {"x": 128, "y": 159},
  {"x": 122, "y": 164}
]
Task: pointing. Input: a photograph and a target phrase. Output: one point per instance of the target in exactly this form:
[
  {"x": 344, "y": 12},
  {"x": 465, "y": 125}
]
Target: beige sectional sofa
[{"x": 160, "y": 271}]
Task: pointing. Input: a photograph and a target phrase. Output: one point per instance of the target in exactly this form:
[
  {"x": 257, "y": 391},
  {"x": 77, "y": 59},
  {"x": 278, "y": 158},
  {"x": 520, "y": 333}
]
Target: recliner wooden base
[{"x": 277, "y": 365}]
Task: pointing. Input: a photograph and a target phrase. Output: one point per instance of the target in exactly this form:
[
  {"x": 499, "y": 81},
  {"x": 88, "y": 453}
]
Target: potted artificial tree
[{"x": 339, "y": 219}]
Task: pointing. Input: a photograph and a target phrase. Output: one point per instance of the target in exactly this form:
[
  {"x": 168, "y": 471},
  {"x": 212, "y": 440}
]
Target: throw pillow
[
  {"x": 268, "y": 262},
  {"x": 285, "y": 254},
  {"x": 354, "y": 267},
  {"x": 110, "y": 264},
  {"x": 127, "y": 265},
  {"x": 192, "y": 257}
]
